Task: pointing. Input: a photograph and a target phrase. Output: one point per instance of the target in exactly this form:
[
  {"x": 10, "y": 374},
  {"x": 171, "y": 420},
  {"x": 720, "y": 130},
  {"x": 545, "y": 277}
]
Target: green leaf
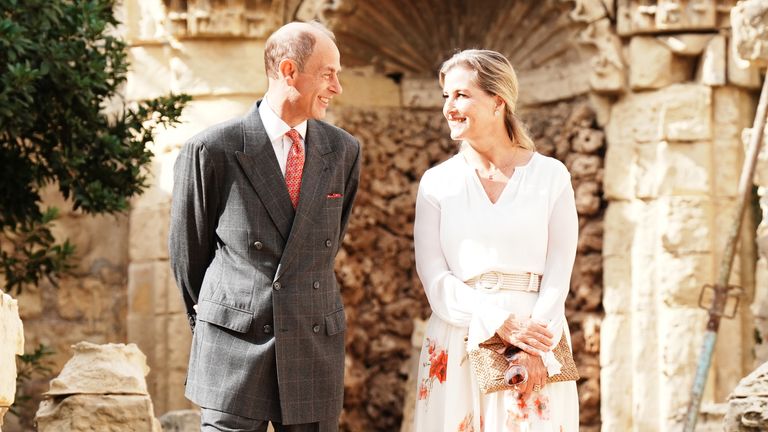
[{"x": 60, "y": 65}]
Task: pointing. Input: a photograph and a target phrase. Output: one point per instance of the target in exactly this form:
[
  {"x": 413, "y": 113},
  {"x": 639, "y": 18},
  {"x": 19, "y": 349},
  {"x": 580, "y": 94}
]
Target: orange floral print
[
  {"x": 536, "y": 407},
  {"x": 438, "y": 368},
  {"x": 466, "y": 424},
  {"x": 423, "y": 391}
]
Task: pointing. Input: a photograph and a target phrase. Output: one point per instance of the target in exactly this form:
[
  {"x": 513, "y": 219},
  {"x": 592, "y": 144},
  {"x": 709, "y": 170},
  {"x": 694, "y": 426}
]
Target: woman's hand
[
  {"x": 529, "y": 335},
  {"x": 537, "y": 373}
]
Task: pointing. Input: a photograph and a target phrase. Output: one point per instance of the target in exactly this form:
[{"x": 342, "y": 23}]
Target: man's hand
[{"x": 529, "y": 335}]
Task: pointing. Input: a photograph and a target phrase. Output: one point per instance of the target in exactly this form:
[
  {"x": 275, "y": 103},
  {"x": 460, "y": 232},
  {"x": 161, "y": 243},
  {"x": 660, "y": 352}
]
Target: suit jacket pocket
[
  {"x": 335, "y": 322},
  {"x": 224, "y": 316}
]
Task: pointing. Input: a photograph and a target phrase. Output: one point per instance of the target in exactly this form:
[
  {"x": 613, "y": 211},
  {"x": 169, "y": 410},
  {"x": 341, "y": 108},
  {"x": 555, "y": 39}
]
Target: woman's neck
[{"x": 500, "y": 154}]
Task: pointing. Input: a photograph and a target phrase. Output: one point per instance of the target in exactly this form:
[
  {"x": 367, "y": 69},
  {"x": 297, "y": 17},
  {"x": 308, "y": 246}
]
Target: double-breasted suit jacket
[{"x": 269, "y": 335}]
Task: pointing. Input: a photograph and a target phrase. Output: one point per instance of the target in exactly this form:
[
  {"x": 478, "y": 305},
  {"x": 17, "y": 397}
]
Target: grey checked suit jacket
[{"x": 269, "y": 335}]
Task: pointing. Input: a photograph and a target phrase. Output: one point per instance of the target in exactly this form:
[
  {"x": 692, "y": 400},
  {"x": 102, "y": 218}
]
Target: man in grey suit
[{"x": 260, "y": 207}]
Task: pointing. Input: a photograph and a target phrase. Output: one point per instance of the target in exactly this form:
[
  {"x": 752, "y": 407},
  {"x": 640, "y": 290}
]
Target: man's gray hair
[{"x": 294, "y": 45}]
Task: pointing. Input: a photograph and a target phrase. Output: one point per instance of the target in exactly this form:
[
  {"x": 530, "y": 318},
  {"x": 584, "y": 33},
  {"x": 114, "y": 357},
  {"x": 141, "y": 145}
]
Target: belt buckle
[
  {"x": 488, "y": 286},
  {"x": 532, "y": 279}
]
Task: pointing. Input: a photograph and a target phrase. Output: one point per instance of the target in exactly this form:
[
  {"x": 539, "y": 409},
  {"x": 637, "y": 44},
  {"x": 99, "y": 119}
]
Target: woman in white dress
[{"x": 500, "y": 211}]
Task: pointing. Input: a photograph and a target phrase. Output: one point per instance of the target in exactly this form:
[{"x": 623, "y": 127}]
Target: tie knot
[{"x": 294, "y": 136}]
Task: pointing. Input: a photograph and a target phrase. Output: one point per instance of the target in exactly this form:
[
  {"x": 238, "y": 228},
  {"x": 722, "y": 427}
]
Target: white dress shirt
[{"x": 276, "y": 129}]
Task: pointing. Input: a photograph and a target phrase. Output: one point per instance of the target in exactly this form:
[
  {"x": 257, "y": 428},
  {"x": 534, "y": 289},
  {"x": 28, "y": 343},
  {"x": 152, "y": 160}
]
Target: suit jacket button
[
  {"x": 328, "y": 243},
  {"x": 316, "y": 285},
  {"x": 267, "y": 329},
  {"x": 316, "y": 328},
  {"x": 258, "y": 245},
  {"x": 277, "y": 286}
]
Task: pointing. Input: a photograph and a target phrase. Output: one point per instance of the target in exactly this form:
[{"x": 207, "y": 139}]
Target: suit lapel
[
  {"x": 259, "y": 163},
  {"x": 313, "y": 187}
]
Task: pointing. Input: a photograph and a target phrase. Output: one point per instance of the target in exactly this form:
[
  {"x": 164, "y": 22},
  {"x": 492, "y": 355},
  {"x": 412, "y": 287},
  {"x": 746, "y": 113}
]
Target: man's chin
[{"x": 319, "y": 113}]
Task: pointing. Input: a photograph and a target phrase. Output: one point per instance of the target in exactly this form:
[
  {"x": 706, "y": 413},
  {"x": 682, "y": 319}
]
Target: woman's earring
[{"x": 496, "y": 113}]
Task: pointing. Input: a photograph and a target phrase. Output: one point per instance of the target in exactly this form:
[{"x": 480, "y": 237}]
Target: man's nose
[{"x": 336, "y": 85}]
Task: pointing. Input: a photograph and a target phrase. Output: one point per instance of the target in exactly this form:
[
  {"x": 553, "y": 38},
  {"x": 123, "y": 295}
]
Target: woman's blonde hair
[{"x": 496, "y": 76}]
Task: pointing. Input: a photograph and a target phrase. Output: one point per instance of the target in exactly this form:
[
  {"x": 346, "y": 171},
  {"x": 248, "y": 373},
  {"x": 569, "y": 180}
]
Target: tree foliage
[{"x": 62, "y": 123}]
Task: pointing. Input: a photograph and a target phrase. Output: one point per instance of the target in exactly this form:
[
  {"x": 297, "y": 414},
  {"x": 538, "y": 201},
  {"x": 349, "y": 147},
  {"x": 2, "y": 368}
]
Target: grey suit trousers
[{"x": 217, "y": 421}]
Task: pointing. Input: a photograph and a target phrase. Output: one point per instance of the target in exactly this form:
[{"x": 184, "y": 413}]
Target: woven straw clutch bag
[{"x": 489, "y": 366}]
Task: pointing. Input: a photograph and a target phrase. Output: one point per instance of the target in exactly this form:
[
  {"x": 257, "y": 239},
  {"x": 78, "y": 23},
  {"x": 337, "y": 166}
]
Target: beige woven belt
[{"x": 495, "y": 281}]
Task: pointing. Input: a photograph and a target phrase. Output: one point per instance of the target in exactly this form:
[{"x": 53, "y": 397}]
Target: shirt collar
[{"x": 275, "y": 126}]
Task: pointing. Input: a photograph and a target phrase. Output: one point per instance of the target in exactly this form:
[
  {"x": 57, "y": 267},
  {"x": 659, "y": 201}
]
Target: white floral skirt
[{"x": 448, "y": 398}]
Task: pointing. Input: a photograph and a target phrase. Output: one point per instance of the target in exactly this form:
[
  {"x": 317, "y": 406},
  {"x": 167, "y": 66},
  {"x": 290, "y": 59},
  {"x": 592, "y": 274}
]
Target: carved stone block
[
  {"x": 608, "y": 73},
  {"x": 748, "y": 404},
  {"x": 749, "y": 20},
  {"x": 232, "y": 18},
  {"x": 654, "y": 65},
  {"x": 101, "y": 387},
  {"x": 742, "y": 73},
  {"x": 149, "y": 75},
  {"x": 666, "y": 169},
  {"x": 687, "y": 44},
  {"x": 181, "y": 421},
  {"x": 86, "y": 413},
  {"x": 712, "y": 64},
  {"x": 421, "y": 93},
  {"x": 363, "y": 88},
  {"x": 686, "y": 113},
  {"x": 217, "y": 68},
  {"x": 11, "y": 345},
  {"x": 637, "y": 16},
  {"x": 615, "y": 354}
]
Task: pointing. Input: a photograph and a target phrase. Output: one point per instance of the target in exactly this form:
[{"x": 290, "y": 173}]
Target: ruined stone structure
[
  {"x": 642, "y": 100},
  {"x": 748, "y": 404},
  {"x": 101, "y": 388},
  {"x": 11, "y": 345}
]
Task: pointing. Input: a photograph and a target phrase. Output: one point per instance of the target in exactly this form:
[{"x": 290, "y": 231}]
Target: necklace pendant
[{"x": 490, "y": 176}]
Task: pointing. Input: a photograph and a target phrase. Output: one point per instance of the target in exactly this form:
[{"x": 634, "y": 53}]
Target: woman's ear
[
  {"x": 287, "y": 69},
  {"x": 500, "y": 105}
]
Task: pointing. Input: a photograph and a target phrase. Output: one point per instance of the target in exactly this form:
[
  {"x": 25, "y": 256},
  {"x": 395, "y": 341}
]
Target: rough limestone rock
[
  {"x": 181, "y": 421},
  {"x": 103, "y": 413},
  {"x": 102, "y": 388},
  {"x": 748, "y": 404},
  {"x": 102, "y": 369},
  {"x": 11, "y": 344},
  {"x": 749, "y": 21}
]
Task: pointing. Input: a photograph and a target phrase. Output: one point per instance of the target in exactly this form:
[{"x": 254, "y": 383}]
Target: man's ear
[{"x": 287, "y": 69}]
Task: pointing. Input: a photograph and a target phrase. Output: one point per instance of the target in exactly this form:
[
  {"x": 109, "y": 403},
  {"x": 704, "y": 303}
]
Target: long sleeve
[
  {"x": 563, "y": 234},
  {"x": 193, "y": 211},
  {"x": 450, "y": 298}
]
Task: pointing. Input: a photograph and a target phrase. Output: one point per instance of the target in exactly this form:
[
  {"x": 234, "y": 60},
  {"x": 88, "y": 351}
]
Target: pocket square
[{"x": 334, "y": 195}]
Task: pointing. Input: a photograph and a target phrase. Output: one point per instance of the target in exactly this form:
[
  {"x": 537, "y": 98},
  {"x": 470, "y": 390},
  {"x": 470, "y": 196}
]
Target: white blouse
[{"x": 459, "y": 233}]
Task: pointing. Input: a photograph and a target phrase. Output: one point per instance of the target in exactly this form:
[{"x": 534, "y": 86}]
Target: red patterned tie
[{"x": 294, "y": 166}]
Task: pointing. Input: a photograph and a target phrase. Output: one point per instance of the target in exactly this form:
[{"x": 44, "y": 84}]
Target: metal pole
[{"x": 721, "y": 289}]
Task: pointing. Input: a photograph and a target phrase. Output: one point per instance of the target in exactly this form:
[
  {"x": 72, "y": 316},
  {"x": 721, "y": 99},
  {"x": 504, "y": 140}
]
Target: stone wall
[{"x": 672, "y": 165}]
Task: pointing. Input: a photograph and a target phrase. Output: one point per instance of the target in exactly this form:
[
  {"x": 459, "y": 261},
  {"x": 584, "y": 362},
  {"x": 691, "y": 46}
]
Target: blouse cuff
[
  {"x": 484, "y": 324},
  {"x": 550, "y": 362}
]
